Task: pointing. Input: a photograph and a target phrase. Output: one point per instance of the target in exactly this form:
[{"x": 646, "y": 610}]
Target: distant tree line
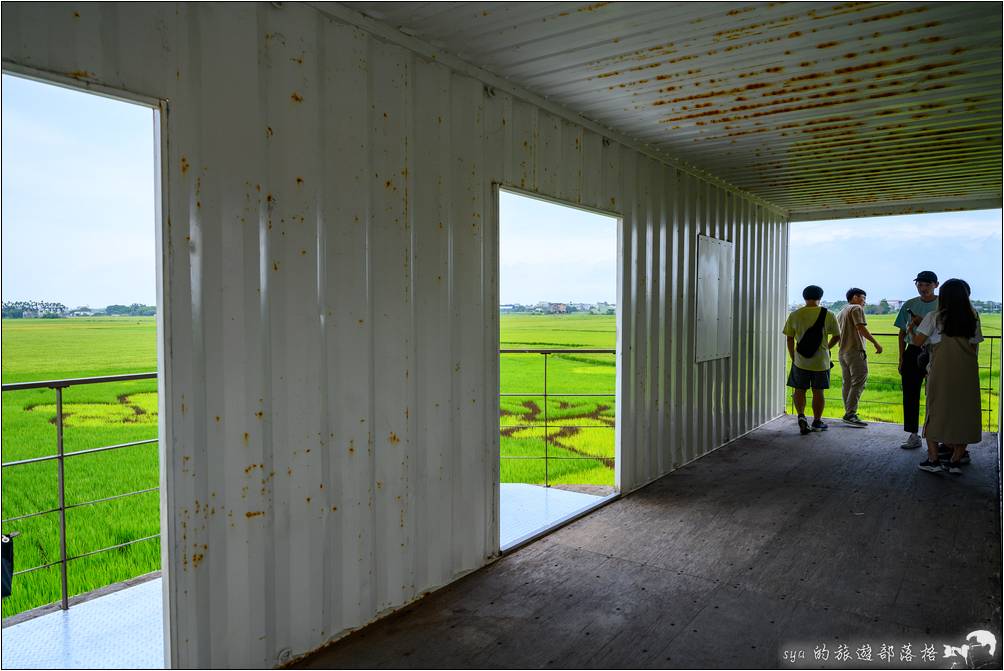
[
  {"x": 882, "y": 308},
  {"x": 50, "y": 310},
  {"x": 549, "y": 308},
  {"x": 133, "y": 310},
  {"x": 43, "y": 309}
]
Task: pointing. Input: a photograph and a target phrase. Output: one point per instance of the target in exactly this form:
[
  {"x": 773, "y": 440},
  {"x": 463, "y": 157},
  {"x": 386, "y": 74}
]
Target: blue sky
[
  {"x": 555, "y": 253},
  {"x": 882, "y": 255},
  {"x": 78, "y": 197},
  {"x": 551, "y": 252}
]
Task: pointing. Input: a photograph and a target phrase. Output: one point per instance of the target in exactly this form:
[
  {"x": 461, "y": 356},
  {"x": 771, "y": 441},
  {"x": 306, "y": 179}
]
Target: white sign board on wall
[{"x": 713, "y": 329}]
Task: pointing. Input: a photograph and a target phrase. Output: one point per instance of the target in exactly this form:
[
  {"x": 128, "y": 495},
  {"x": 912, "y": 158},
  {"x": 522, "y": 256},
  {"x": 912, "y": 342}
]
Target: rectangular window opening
[{"x": 81, "y": 293}]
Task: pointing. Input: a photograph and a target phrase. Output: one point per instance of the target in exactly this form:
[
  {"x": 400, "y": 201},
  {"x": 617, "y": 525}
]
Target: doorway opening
[
  {"x": 852, "y": 261},
  {"x": 558, "y": 359},
  {"x": 82, "y": 353}
]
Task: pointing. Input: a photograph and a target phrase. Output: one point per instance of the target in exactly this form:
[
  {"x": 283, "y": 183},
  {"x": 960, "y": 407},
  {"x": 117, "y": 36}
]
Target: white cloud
[
  {"x": 882, "y": 254},
  {"x": 958, "y": 226}
]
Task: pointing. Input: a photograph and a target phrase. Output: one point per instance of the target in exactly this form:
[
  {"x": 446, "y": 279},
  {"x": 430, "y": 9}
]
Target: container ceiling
[{"x": 829, "y": 110}]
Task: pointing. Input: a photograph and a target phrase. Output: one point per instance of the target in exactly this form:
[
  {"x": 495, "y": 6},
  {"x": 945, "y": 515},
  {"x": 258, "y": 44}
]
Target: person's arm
[
  {"x": 901, "y": 341},
  {"x": 924, "y": 330},
  {"x": 904, "y": 322},
  {"x": 789, "y": 335},
  {"x": 833, "y": 329},
  {"x": 863, "y": 330}
]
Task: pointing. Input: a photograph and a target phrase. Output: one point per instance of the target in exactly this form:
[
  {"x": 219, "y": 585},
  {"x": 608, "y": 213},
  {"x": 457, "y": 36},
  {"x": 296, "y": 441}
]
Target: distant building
[
  {"x": 987, "y": 306},
  {"x": 552, "y": 308}
]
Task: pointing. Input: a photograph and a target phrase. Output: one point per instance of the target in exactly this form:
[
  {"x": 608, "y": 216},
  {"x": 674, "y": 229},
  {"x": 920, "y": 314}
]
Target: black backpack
[{"x": 812, "y": 339}]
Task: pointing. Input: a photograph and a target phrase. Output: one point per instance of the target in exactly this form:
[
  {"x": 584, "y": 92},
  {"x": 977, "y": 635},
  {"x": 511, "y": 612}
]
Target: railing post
[
  {"x": 990, "y": 389},
  {"x": 547, "y": 481},
  {"x": 60, "y": 461}
]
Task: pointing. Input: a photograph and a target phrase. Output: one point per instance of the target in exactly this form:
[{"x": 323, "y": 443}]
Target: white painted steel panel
[
  {"x": 714, "y": 298},
  {"x": 330, "y": 260},
  {"x": 706, "y": 315}
]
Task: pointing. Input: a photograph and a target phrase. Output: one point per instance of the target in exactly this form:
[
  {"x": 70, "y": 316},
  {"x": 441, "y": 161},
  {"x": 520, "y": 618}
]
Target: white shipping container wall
[{"x": 330, "y": 307}]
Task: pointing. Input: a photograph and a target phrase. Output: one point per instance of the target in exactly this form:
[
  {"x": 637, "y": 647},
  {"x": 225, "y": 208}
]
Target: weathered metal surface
[
  {"x": 827, "y": 109},
  {"x": 330, "y": 307}
]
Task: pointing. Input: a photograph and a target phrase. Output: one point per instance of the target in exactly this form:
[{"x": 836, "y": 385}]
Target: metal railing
[
  {"x": 545, "y": 353},
  {"x": 988, "y": 425},
  {"x": 60, "y": 458}
]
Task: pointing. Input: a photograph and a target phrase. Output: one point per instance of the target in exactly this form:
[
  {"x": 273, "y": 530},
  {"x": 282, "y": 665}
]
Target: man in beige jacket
[{"x": 853, "y": 359}]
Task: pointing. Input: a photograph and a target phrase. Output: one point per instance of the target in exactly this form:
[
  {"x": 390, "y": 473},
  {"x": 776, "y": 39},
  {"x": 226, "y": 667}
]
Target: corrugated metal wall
[{"x": 331, "y": 308}]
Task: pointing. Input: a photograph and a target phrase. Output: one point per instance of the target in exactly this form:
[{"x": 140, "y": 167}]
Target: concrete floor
[{"x": 775, "y": 543}]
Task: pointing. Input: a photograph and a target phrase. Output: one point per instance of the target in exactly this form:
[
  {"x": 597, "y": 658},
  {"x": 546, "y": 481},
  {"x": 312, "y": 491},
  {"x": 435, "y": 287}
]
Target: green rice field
[
  {"x": 569, "y": 440},
  {"x": 95, "y": 416}
]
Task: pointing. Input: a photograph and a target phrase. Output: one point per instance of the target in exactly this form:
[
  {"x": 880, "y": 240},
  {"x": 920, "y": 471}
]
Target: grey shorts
[{"x": 799, "y": 378}]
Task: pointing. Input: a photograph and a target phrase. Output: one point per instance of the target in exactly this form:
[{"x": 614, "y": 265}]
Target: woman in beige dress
[{"x": 953, "y": 382}]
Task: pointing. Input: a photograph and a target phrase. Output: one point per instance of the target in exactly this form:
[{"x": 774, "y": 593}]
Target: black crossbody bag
[{"x": 810, "y": 341}]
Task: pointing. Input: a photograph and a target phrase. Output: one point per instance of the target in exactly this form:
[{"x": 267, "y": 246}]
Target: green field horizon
[{"x": 576, "y": 448}]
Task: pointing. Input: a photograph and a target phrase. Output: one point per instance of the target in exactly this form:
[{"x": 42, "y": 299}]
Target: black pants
[{"x": 913, "y": 381}]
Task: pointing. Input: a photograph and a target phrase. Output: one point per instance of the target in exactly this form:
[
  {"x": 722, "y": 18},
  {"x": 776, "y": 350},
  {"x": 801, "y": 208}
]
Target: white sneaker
[
  {"x": 912, "y": 443},
  {"x": 932, "y": 467}
]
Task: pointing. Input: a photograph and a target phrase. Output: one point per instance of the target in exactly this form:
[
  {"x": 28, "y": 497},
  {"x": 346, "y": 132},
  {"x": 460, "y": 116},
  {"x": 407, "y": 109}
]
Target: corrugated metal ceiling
[{"x": 826, "y": 109}]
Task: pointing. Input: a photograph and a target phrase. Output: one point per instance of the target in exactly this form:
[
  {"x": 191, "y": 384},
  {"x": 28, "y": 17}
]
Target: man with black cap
[
  {"x": 809, "y": 327},
  {"x": 911, "y": 372}
]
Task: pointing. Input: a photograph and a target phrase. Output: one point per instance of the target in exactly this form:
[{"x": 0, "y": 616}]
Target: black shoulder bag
[{"x": 811, "y": 340}]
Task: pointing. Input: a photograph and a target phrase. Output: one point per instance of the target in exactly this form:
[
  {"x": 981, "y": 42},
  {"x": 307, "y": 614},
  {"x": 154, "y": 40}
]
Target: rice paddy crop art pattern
[{"x": 567, "y": 437}]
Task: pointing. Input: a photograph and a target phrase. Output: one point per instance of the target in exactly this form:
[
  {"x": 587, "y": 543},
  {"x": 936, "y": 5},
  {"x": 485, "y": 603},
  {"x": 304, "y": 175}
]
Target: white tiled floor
[
  {"x": 123, "y": 630},
  {"x": 529, "y": 509}
]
